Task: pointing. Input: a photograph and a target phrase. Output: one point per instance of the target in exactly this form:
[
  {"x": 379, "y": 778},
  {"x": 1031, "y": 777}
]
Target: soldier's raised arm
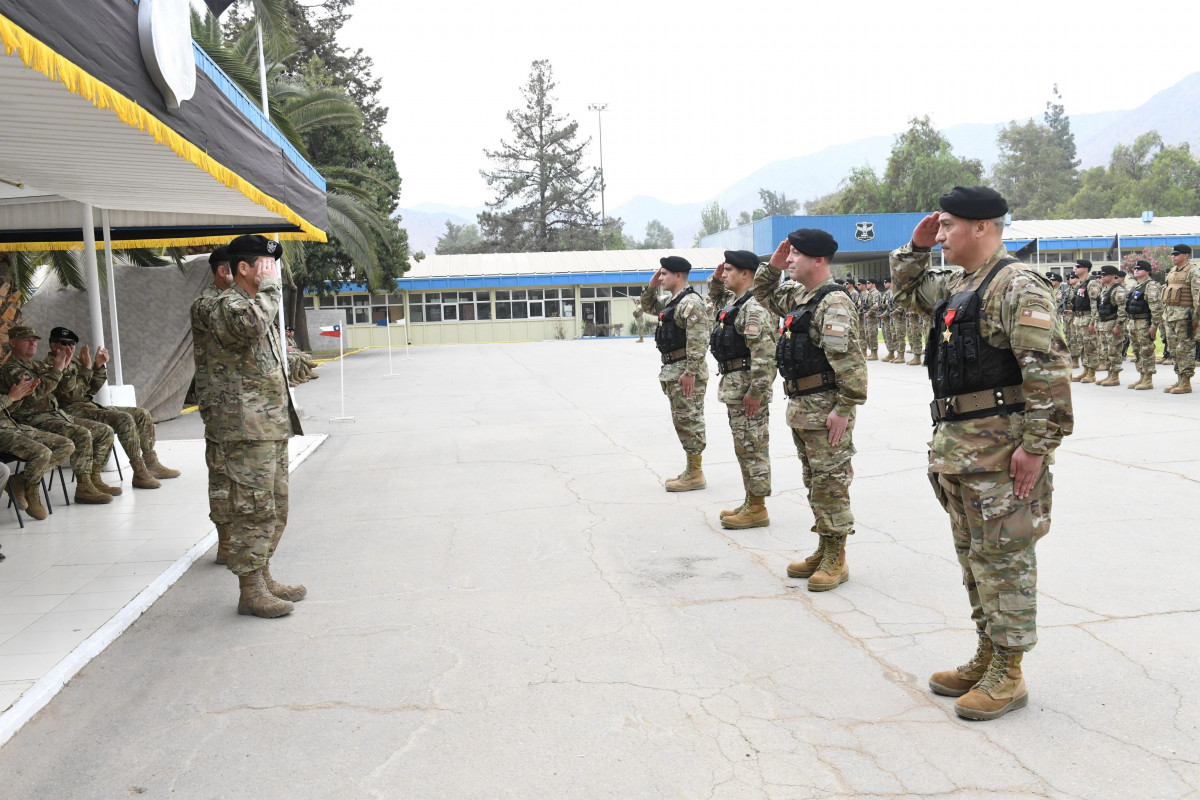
[
  {"x": 768, "y": 290},
  {"x": 917, "y": 284}
]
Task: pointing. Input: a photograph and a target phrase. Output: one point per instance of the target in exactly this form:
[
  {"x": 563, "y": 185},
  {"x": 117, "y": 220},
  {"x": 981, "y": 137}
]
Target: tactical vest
[
  {"x": 1179, "y": 288},
  {"x": 670, "y": 337},
  {"x": 1105, "y": 309},
  {"x": 726, "y": 343},
  {"x": 1136, "y": 304},
  {"x": 961, "y": 362},
  {"x": 797, "y": 356},
  {"x": 1082, "y": 303}
]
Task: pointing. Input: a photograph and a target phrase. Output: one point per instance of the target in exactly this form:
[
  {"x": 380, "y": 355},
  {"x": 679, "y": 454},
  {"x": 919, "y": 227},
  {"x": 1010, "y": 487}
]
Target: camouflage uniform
[
  {"x": 687, "y": 413},
  {"x": 899, "y": 325},
  {"x": 133, "y": 426},
  {"x": 871, "y": 298},
  {"x": 1181, "y": 311},
  {"x": 827, "y": 468},
  {"x": 1139, "y": 329},
  {"x": 203, "y": 347},
  {"x": 41, "y": 451},
  {"x": 994, "y": 531},
  {"x": 918, "y": 324},
  {"x": 751, "y": 435},
  {"x": 1089, "y": 343},
  {"x": 92, "y": 440},
  {"x": 1064, "y": 300},
  {"x": 252, "y": 418},
  {"x": 1112, "y": 348}
]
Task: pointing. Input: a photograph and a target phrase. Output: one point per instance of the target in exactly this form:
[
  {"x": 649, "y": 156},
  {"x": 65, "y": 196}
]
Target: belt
[
  {"x": 1103, "y": 318},
  {"x": 674, "y": 356},
  {"x": 985, "y": 403},
  {"x": 737, "y": 365},
  {"x": 809, "y": 384}
]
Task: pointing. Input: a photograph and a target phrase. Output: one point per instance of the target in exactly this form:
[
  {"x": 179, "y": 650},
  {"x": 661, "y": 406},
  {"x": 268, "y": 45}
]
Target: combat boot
[
  {"x": 872, "y": 355},
  {"x": 1111, "y": 379},
  {"x": 1183, "y": 387},
  {"x": 915, "y": 361},
  {"x": 1089, "y": 376},
  {"x": 257, "y": 600},
  {"x": 1147, "y": 382},
  {"x": 156, "y": 467},
  {"x": 802, "y": 569},
  {"x": 1001, "y": 690},
  {"x": 17, "y": 484},
  {"x": 691, "y": 478},
  {"x": 33, "y": 498},
  {"x": 283, "y": 591},
  {"x": 143, "y": 478},
  {"x": 99, "y": 483},
  {"x": 833, "y": 570},
  {"x": 85, "y": 492},
  {"x": 730, "y": 512},
  {"x": 754, "y": 515},
  {"x": 957, "y": 682}
]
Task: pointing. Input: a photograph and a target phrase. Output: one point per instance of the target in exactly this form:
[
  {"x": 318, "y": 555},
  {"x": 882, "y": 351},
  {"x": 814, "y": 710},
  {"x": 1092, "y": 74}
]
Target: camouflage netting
[{"x": 156, "y": 335}]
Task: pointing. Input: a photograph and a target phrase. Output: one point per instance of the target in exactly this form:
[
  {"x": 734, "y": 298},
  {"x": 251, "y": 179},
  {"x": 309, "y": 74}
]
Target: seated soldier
[
  {"x": 39, "y": 409},
  {"x": 301, "y": 366},
  {"x": 81, "y": 379},
  {"x": 41, "y": 451}
]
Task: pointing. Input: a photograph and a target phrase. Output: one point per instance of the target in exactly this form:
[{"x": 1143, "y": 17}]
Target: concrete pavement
[{"x": 503, "y": 602}]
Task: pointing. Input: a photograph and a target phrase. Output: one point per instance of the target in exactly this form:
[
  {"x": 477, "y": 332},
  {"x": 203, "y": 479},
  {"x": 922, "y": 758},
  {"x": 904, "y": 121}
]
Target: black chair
[{"x": 9, "y": 458}]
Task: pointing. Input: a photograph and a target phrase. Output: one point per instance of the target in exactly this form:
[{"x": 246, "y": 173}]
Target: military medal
[{"x": 948, "y": 320}]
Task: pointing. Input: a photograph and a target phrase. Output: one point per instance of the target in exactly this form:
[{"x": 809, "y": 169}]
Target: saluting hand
[
  {"x": 779, "y": 257},
  {"x": 925, "y": 234},
  {"x": 656, "y": 279},
  {"x": 719, "y": 272}
]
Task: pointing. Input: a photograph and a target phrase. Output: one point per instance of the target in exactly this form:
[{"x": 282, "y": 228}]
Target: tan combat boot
[
  {"x": 730, "y": 512},
  {"x": 224, "y": 549},
  {"x": 85, "y": 492},
  {"x": 1141, "y": 379},
  {"x": 1183, "y": 387},
  {"x": 1147, "y": 382},
  {"x": 257, "y": 601},
  {"x": 17, "y": 484},
  {"x": 293, "y": 593},
  {"x": 957, "y": 682},
  {"x": 1089, "y": 376},
  {"x": 915, "y": 361},
  {"x": 833, "y": 570},
  {"x": 156, "y": 467},
  {"x": 99, "y": 483},
  {"x": 1111, "y": 379},
  {"x": 1001, "y": 690},
  {"x": 33, "y": 499},
  {"x": 872, "y": 355},
  {"x": 143, "y": 478},
  {"x": 754, "y": 515},
  {"x": 802, "y": 569},
  {"x": 691, "y": 478}
]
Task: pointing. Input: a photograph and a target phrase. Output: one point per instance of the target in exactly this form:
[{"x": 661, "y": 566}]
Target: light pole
[{"x": 599, "y": 108}]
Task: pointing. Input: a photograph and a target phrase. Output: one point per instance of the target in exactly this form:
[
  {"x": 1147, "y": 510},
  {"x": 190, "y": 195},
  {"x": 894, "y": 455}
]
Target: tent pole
[
  {"x": 92, "y": 275},
  {"x": 118, "y": 375}
]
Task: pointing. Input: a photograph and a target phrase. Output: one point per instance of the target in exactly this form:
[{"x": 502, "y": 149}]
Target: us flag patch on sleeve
[{"x": 1035, "y": 318}]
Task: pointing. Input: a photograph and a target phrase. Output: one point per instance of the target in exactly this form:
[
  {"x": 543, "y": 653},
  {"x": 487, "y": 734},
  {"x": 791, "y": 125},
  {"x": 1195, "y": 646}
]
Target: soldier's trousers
[
  {"x": 687, "y": 413},
  {"x": 1089, "y": 355},
  {"x": 1112, "y": 348},
  {"x": 899, "y": 328},
  {"x": 1074, "y": 340},
  {"x": 219, "y": 509},
  {"x": 258, "y": 500},
  {"x": 917, "y": 326},
  {"x": 995, "y": 534},
  {"x": 133, "y": 426},
  {"x": 40, "y": 450},
  {"x": 1183, "y": 347},
  {"x": 871, "y": 333},
  {"x": 828, "y": 473},
  {"x": 93, "y": 440},
  {"x": 751, "y": 444},
  {"x": 1143, "y": 345}
]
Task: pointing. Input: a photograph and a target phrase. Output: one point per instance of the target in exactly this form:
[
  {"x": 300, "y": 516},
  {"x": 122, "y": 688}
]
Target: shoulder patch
[{"x": 1035, "y": 318}]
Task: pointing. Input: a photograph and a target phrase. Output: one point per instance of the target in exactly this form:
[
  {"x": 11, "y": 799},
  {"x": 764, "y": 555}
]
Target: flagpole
[{"x": 341, "y": 332}]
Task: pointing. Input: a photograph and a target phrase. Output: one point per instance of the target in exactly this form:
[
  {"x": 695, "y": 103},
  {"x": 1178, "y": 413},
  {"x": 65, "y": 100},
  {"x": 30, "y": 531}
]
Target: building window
[
  {"x": 308, "y": 302},
  {"x": 389, "y": 307},
  {"x": 449, "y": 306},
  {"x": 560, "y": 302},
  {"x": 535, "y": 303}
]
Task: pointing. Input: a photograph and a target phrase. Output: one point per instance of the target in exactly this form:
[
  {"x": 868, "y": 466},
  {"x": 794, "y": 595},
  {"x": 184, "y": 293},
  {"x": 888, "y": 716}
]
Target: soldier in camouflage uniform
[
  {"x": 1109, "y": 317},
  {"x": 899, "y": 328},
  {"x": 825, "y": 376},
  {"x": 885, "y": 320},
  {"x": 916, "y": 327},
  {"x": 252, "y": 419},
  {"x": 92, "y": 440},
  {"x": 871, "y": 301},
  {"x": 1062, "y": 304},
  {"x": 743, "y": 343},
  {"x": 133, "y": 426},
  {"x": 1087, "y": 295},
  {"x": 1143, "y": 306},
  {"x": 682, "y": 342},
  {"x": 1000, "y": 371},
  {"x": 41, "y": 451},
  {"x": 1181, "y": 314}
]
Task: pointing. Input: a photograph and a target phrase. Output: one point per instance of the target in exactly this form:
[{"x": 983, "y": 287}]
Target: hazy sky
[{"x": 701, "y": 94}]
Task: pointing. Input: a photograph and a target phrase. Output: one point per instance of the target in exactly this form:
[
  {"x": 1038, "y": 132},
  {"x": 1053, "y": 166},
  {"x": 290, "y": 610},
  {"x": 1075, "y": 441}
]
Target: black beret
[
  {"x": 1096, "y": 273},
  {"x": 219, "y": 255},
  {"x": 63, "y": 336},
  {"x": 1054, "y": 276},
  {"x": 839, "y": 281},
  {"x": 1142, "y": 265},
  {"x": 973, "y": 202},
  {"x": 1083, "y": 262},
  {"x": 675, "y": 264},
  {"x": 1182, "y": 249},
  {"x": 742, "y": 259},
  {"x": 813, "y": 242},
  {"x": 861, "y": 281},
  {"x": 252, "y": 245},
  {"x": 1109, "y": 269},
  {"x": 873, "y": 281}
]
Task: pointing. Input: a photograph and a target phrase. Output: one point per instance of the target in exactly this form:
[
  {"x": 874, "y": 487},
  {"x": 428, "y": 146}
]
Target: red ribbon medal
[{"x": 948, "y": 320}]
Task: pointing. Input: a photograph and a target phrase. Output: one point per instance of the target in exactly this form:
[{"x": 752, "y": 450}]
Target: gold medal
[{"x": 946, "y": 336}]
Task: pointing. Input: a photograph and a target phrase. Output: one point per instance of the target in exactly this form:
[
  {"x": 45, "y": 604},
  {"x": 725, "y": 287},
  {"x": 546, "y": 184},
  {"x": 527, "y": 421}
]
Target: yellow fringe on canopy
[
  {"x": 129, "y": 244},
  {"x": 38, "y": 56}
]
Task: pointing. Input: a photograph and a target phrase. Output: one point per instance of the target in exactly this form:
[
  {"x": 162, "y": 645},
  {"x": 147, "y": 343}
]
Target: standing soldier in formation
[
  {"x": 1181, "y": 313},
  {"x": 1087, "y": 294},
  {"x": 1144, "y": 309},
  {"x": 1074, "y": 340},
  {"x": 917, "y": 325},
  {"x": 247, "y": 375},
  {"x": 899, "y": 327},
  {"x": 1109, "y": 318},
  {"x": 743, "y": 343},
  {"x": 682, "y": 341},
  {"x": 825, "y": 376},
  {"x": 886, "y": 302},
  {"x": 871, "y": 304},
  {"x": 999, "y": 366}
]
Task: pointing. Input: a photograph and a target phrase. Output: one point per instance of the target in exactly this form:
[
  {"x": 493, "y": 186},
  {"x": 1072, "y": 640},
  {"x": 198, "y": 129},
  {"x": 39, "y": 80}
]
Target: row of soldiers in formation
[
  {"x": 999, "y": 367},
  {"x": 49, "y": 415}
]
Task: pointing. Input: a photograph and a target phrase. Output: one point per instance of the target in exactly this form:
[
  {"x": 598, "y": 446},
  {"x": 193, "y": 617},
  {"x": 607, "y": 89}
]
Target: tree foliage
[
  {"x": 774, "y": 204},
  {"x": 713, "y": 219},
  {"x": 1037, "y": 171},
  {"x": 1145, "y": 176},
  {"x": 459, "y": 239},
  {"x": 658, "y": 237}
]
